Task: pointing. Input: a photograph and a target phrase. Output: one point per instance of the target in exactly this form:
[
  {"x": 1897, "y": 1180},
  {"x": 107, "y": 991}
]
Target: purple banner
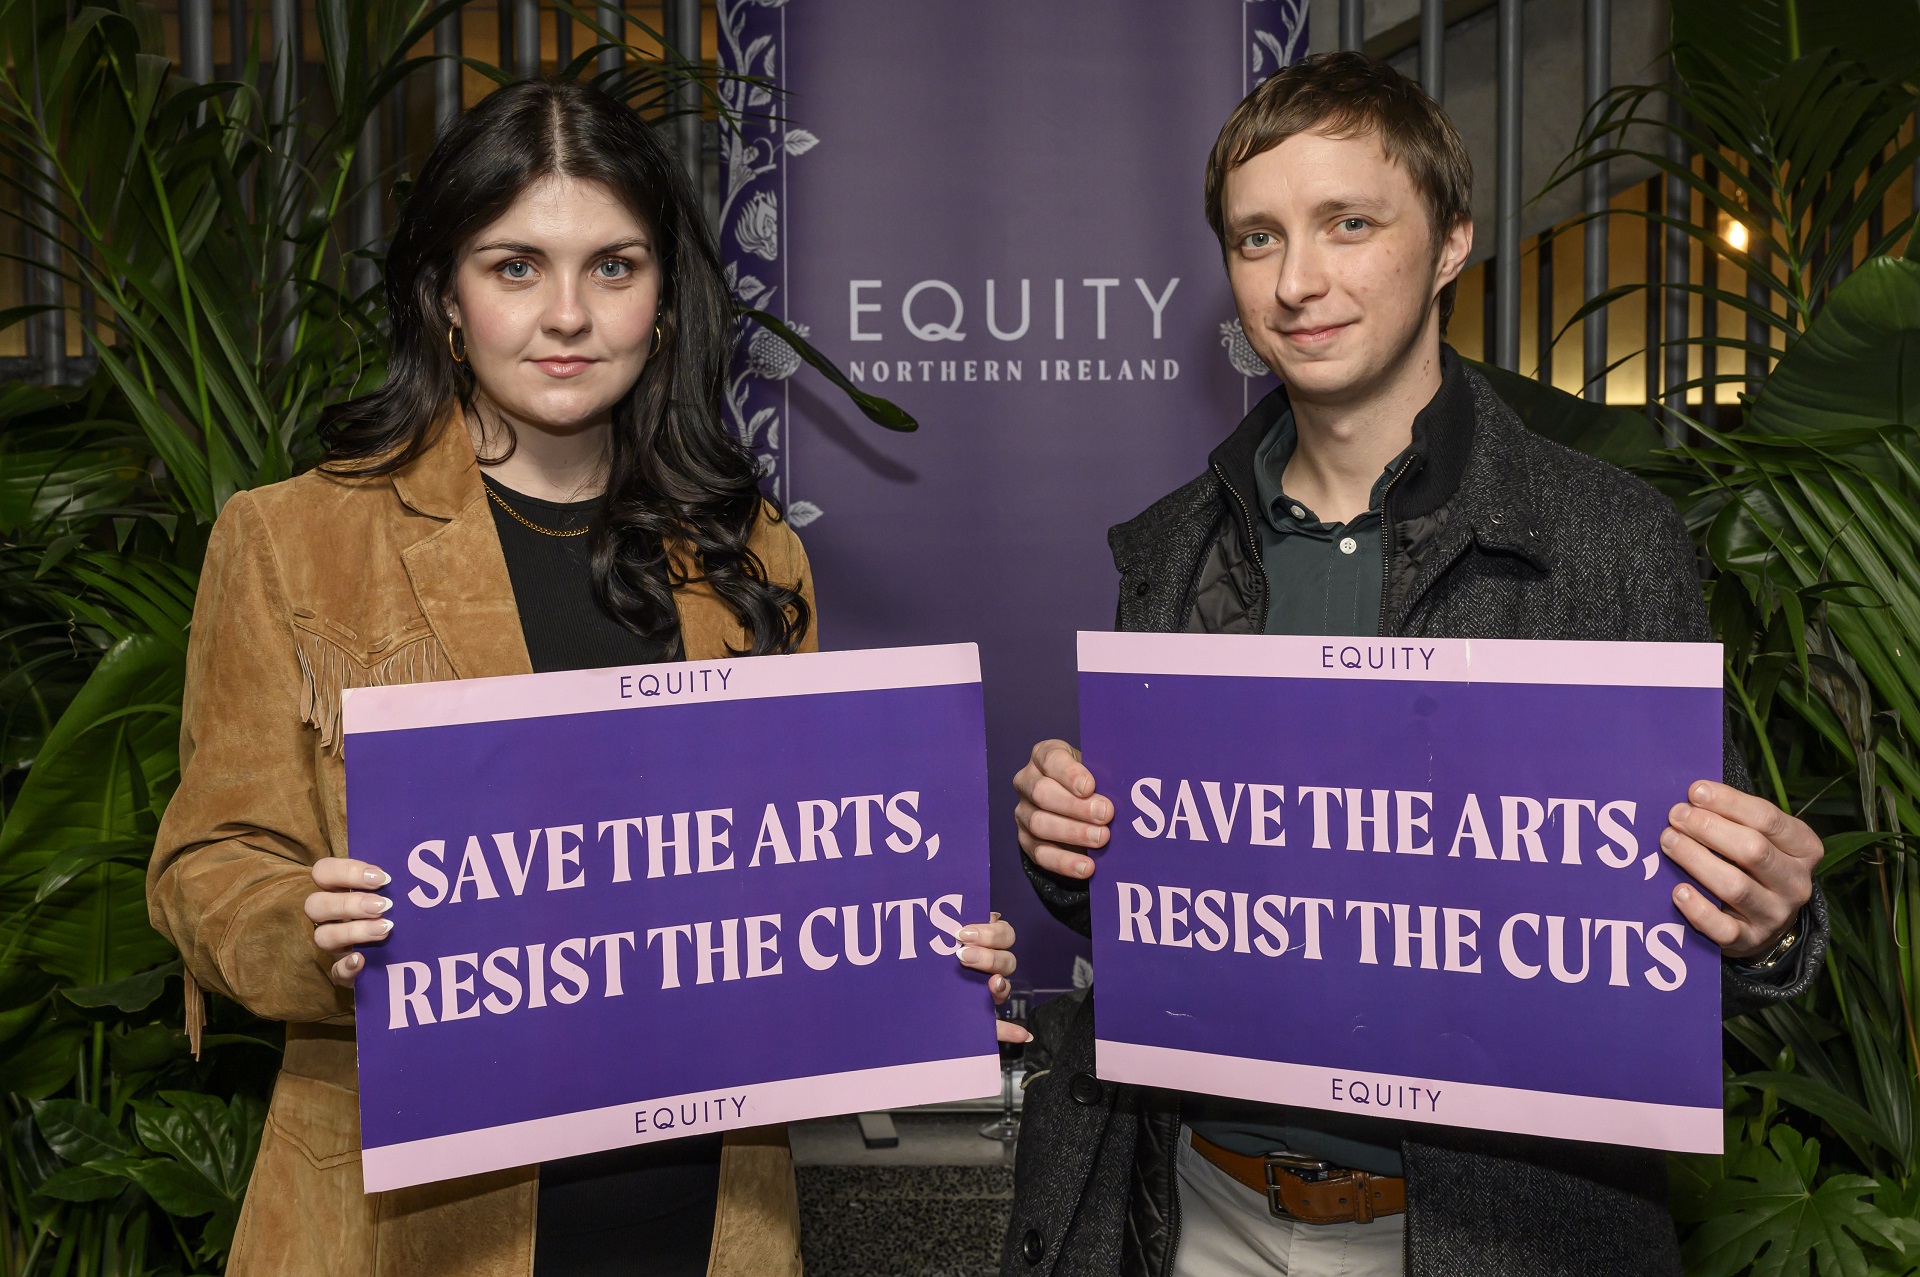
[
  {"x": 990, "y": 212},
  {"x": 635, "y": 904},
  {"x": 1416, "y": 879}
]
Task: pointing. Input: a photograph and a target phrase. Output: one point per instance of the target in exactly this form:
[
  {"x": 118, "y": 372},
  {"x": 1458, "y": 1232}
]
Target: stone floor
[{"x": 935, "y": 1206}]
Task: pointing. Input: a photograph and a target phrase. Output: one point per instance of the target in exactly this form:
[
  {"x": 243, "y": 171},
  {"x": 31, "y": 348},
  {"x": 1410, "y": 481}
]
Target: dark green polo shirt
[{"x": 1322, "y": 578}]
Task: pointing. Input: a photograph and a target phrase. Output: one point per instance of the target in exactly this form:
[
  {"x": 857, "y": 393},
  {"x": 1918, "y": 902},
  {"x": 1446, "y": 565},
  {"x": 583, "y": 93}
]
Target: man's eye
[
  {"x": 517, "y": 270},
  {"x": 1353, "y": 225},
  {"x": 1258, "y": 239}
]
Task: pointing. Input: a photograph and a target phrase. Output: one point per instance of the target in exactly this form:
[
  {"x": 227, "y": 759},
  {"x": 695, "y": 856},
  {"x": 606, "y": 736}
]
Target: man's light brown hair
[{"x": 1351, "y": 95}]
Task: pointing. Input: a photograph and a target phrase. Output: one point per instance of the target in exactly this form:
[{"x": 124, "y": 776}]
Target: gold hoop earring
[
  {"x": 460, "y": 355},
  {"x": 656, "y": 342}
]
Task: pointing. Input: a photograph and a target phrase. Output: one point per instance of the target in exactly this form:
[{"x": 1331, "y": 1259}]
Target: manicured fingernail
[
  {"x": 377, "y": 878},
  {"x": 992, "y": 916},
  {"x": 354, "y": 960},
  {"x": 970, "y": 933},
  {"x": 1683, "y": 894},
  {"x": 1026, "y": 1035},
  {"x": 382, "y": 904},
  {"x": 384, "y": 926},
  {"x": 965, "y": 954},
  {"x": 997, "y": 983}
]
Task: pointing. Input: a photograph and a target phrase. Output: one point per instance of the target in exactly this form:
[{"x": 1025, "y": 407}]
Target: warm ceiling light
[{"x": 1736, "y": 235}]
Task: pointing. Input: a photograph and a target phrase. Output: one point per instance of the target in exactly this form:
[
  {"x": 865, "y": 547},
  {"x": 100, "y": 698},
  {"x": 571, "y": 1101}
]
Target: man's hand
[
  {"x": 1755, "y": 858},
  {"x": 1059, "y": 813}
]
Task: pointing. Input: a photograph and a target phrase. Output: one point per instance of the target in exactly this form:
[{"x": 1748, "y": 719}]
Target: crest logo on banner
[{"x": 988, "y": 211}]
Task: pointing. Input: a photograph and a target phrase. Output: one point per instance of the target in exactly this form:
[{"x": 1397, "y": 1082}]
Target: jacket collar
[
  {"x": 1448, "y": 435},
  {"x": 459, "y": 573},
  {"x": 445, "y": 478}
]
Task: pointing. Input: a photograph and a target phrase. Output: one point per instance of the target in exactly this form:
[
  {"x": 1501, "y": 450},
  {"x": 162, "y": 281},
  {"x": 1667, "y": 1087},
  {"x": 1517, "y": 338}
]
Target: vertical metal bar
[
  {"x": 282, "y": 190},
  {"x": 1506, "y": 195},
  {"x": 1353, "y": 24},
  {"x": 503, "y": 57},
  {"x": 1678, "y": 267},
  {"x": 196, "y": 40},
  {"x": 1543, "y": 308},
  {"x": 1651, "y": 338},
  {"x": 237, "y": 38},
  {"x": 1710, "y": 304},
  {"x": 43, "y": 284},
  {"x": 1759, "y": 332},
  {"x": 683, "y": 33},
  {"x": 285, "y": 17},
  {"x": 51, "y": 289},
  {"x": 394, "y": 150},
  {"x": 1877, "y": 215},
  {"x": 562, "y": 38},
  {"x": 611, "y": 17},
  {"x": 362, "y": 271},
  {"x": 1595, "y": 196},
  {"x": 1433, "y": 48},
  {"x": 1489, "y": 304},
  {"x": 447, "y": 73},
  {"x": 526, "y": 38},
  {"x": 1839, "y": 244}
]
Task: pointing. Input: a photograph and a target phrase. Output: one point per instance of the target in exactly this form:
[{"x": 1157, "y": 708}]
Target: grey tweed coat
[{"x": 1492, "y": 532}]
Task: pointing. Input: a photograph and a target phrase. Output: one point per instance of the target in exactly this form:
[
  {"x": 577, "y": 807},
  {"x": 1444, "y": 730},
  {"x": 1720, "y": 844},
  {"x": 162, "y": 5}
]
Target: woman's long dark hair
[{"x": 674, "y": 471}]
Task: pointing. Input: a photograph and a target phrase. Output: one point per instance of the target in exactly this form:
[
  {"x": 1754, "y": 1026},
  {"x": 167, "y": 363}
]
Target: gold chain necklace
[{"x": 526, "y": 522}]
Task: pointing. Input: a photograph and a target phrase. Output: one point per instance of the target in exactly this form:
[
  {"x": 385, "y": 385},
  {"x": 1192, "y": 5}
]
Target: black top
[
  {"x": 564, "y": 626},
  {"x": 645, "y": 1211}
]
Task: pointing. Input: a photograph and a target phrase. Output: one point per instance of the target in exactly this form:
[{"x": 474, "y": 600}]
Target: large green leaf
[
  {"x": 1858, "y": 365},
  {"x": 1777, "y": 1216},
  {"x": 102, "y": 776},
  {"x": 79, "y": 1132}
]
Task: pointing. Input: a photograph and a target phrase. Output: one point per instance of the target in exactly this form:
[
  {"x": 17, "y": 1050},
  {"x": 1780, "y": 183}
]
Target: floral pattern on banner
[
  {"x": 1276, "y": 37},
  {"x": 752, "y": 234}
]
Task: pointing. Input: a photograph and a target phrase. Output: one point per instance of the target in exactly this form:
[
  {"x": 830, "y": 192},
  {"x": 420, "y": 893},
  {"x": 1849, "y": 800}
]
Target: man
[{"x": 1386, "y": 490}]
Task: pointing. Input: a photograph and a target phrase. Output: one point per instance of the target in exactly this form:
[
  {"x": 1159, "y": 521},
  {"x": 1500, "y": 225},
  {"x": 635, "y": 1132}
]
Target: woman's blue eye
[
  {"x": 614, "y": 268},
  {"x": 516, "y": 270}
]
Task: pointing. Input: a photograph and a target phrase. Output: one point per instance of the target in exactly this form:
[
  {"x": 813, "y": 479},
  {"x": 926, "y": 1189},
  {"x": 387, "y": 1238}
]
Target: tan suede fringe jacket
[{"x": 312, "y": 586}]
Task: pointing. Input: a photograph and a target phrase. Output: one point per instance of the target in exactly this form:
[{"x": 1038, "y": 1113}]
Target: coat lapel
[{"x": 458, "y": 572}]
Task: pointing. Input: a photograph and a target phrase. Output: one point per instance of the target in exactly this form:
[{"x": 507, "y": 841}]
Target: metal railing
[
  {"x": 47, "y": 338},
  {"x": 51, "y": 355}
]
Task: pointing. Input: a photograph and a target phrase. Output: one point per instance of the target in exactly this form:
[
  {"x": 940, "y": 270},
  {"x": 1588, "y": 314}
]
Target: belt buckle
[{"x": 1312, "y": 1170}]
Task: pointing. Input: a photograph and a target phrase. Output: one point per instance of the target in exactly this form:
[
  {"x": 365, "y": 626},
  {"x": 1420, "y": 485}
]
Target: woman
[{"x": 542, "y": 483}]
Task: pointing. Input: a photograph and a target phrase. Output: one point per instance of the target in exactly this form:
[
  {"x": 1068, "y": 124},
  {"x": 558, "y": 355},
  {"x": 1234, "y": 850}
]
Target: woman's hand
[
  {"x": 988, "y": 946},
  {"x": 345, "y": 913}
]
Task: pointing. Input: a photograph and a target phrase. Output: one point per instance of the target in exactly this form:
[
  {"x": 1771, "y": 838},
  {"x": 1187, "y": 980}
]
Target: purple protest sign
[
  {"x": 1405, "y": 878},
  {"x": 635, "y": 904}
]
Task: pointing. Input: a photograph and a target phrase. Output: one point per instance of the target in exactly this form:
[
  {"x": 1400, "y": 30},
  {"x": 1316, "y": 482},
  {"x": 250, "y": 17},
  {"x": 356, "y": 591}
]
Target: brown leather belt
[{"x": 1308, "y": 1189}]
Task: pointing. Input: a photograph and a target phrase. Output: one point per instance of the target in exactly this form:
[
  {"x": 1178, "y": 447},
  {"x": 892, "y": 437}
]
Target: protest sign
[
  {"x": 1407, "y": 878},
  {"x": 636, "y": 904}
]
